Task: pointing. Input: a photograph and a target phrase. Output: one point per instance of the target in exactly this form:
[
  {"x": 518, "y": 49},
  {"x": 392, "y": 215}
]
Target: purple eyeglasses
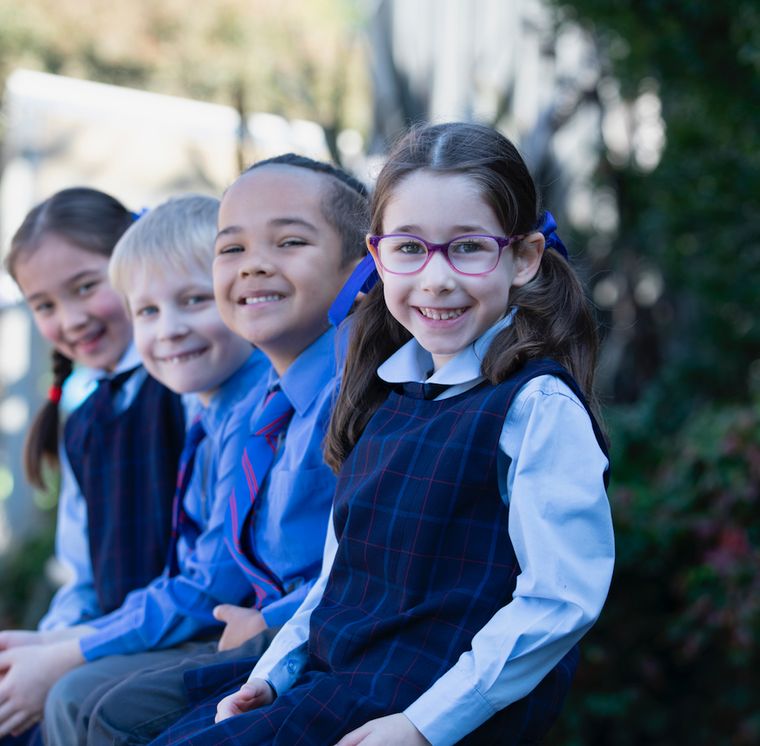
[{"x": 407, "y": 254}]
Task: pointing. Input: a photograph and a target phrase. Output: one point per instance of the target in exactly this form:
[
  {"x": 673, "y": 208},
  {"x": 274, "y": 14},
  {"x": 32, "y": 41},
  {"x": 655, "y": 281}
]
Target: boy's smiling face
[
  {"x": 278, "y": 264},
  {"x": 179, "y": 333}
]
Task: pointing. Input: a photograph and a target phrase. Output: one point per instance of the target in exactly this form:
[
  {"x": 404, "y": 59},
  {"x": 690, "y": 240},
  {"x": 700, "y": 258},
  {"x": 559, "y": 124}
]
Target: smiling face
[
  {"x": 278, "y": 264},
  {"x": 72, "y": 303},
  {"x": 179, "y": 334},
  {"x": 444, "y": 310}
]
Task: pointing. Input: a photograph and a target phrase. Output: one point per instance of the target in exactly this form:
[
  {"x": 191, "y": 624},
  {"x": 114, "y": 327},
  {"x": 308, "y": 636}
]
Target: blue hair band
[
  {"x": 362, "y": 280},
  {"x": 137, "y": 215},
  {"x": 549, "y": 228}
]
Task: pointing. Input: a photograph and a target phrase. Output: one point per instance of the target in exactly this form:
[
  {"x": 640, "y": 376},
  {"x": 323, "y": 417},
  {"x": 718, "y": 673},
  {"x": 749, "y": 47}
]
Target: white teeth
[
  {"x": 184, "y": 357},
  {"x": 262, "y": 299},
  {"x": 442, "y": 315}
]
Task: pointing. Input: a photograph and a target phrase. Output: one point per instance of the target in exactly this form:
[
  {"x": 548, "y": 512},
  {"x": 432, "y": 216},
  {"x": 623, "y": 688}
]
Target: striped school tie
[
  {"x": 106, "y": 391},
  {"x": 182, "y": 523},
  {"x": 257, "y": 459}
]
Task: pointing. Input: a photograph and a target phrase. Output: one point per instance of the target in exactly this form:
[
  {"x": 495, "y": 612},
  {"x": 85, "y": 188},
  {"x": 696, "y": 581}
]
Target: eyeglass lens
[{"x": 467, "y": 254}]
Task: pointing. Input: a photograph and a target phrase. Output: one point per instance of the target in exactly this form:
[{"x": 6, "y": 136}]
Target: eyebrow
[
  {"x": 282, "y": 222},
  {"x": 457, "y": 230},
  {"x": 68, "y": 281}
]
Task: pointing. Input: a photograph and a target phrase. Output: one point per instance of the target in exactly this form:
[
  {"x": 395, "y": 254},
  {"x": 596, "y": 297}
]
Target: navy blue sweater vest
[
  {"x": 126, "y": 466},
  {"x": 424, "y": 558}
]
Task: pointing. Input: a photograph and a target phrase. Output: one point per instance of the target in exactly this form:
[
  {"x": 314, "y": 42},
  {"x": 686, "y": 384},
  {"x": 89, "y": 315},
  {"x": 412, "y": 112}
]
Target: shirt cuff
[
  {"x": 285, "y": 672},
  {"x": 445, "y": 717}
]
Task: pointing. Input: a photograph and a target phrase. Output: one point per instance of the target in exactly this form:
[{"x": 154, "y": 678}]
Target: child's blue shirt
[
  {"x": 172, "y": 610},
  {"x": 291, "y": 511},
  {"x": 551, "y": 476}
]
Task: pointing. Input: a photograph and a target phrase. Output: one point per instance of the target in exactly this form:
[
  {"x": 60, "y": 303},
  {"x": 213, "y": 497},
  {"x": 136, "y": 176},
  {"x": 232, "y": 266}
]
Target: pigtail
[
  {"x": 553, "y": 320},
  {"x": 375, "y": 336},
  {"x": 41, "y": 444}
]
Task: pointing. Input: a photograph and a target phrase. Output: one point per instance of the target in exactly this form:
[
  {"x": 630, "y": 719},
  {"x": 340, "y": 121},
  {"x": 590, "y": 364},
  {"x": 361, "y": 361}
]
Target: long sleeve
[
  {"x": 76, "y": 601},
  {"x": 561, "y": 530},
  {"x": 172, "y": 610},
  {"x": 285, "y": 657}
]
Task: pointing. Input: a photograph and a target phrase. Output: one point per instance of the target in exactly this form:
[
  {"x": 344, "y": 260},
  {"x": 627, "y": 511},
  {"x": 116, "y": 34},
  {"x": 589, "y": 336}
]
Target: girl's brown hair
[
  {"x": 93, "y": 221},
  {"x": 553, "y": 317}
]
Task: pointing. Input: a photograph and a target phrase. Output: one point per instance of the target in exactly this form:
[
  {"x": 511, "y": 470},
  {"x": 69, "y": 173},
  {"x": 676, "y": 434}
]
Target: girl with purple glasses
[{"x": 471, "y": 544}]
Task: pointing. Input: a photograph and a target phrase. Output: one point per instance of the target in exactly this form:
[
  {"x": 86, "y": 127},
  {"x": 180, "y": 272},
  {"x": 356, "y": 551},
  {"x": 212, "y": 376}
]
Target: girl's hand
[
  {"x": 16, "y": 638},
  {"x": 241, "y": 625},
  {"x": 256, "y": 693},
  {"x": 27, "y": 675},
  {"x": 392, "y": 729}
]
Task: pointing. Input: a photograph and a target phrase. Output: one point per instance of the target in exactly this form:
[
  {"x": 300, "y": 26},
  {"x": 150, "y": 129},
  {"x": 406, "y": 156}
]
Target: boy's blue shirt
[
  {"x": 172, "y": 610},
  {"x": 291, "y": 511}
]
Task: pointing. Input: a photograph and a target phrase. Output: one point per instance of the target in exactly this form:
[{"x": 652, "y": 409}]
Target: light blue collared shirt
[
  {"x": 76, "y": 601},
  {"x": 551, "y": 477},
  {"x": 290, "y": 520},
  {"x": 172, "y": 610}
]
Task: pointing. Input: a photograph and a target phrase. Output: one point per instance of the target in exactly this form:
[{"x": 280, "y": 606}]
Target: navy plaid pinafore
[
  {"x": 424, "y": 561},
  {"x": 126, "y": 466}
]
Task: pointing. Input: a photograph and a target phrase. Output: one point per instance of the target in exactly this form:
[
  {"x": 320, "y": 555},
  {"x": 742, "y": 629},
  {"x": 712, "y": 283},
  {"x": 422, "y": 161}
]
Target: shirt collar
[
  {"x": 232, "y": 390},
  {"x": 413, "y": 363},
  {"x": 130, "y": 359},
  {"x": 309, "y": 374}
]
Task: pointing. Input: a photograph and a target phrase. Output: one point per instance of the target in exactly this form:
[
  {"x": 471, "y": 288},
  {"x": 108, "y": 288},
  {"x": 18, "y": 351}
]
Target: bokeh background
[{"x": 639, "y": 120}]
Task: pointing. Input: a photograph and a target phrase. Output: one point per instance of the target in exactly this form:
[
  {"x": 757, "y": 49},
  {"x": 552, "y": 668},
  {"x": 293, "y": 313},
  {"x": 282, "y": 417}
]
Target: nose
[
  {"x": 438, "y": 276},
  {"x": 257, "y": 261},
  {"x": 73, "y": 316},
  {"x": 171, "y": 325}
]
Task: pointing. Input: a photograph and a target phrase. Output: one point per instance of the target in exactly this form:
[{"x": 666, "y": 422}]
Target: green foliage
[
  {"x": 674, "y": 658},
  {"x": 26, "y": 590},
  {"x": 694, "y": 217}
]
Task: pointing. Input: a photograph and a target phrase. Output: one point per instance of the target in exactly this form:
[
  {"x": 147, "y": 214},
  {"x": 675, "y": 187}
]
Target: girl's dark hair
[
  {"x": 93, "y": 221},
  {"x": 553, "y": 316},
  {"x": 345, "y": 203}
]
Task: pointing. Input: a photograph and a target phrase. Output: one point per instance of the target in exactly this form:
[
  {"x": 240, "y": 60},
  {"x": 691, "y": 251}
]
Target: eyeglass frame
[{"x": 502, "y": 241}]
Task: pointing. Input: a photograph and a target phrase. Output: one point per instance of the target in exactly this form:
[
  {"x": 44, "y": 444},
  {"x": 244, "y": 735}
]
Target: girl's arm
[
  {"x": 560, "y": 526},
  {"x": 76, "y": 601},
  {"x": 284, "y": 659}
]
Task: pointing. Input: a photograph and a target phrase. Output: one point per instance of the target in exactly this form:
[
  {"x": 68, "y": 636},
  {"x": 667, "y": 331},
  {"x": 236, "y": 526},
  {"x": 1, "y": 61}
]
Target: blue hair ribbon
[
  {"x": 362, "y": 280},
  {"x": 549, "y": 228},
  {"x": 137, "y": 215}
]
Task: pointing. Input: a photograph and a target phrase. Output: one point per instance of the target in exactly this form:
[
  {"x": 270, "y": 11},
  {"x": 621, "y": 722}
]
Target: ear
[
  {"x": 373, "y": 253},
  {"x": 527, "y": 258}
]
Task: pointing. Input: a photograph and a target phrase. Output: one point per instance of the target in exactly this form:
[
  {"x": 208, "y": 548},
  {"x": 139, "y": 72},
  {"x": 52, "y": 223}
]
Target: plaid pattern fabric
[
  {"x": 126, "y": 466},
  {"x": 182, "y": 523},
  {"x": 256, "y": 461},
  {"x": 424, "y": 561}
]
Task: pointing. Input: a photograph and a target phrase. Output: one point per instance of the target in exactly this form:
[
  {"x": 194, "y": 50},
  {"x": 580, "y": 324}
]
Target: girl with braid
[{"x": 120, "y": 448}]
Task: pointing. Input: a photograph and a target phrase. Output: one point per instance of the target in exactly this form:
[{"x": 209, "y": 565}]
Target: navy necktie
[
  {"x": 257, "y": 459},
  {"x": 107, "y": 389},
  {"x": 422, "y": 390},
  {"x": 182, "y": 523}
]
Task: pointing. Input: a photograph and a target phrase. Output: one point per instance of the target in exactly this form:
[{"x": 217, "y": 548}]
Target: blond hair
[{"x": 177, "y": 233}]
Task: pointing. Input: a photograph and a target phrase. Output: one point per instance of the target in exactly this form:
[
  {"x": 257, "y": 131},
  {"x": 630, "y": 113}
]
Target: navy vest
[
  {"x": 424, "y": 557},
  {"x": 126, "y": 466}
]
